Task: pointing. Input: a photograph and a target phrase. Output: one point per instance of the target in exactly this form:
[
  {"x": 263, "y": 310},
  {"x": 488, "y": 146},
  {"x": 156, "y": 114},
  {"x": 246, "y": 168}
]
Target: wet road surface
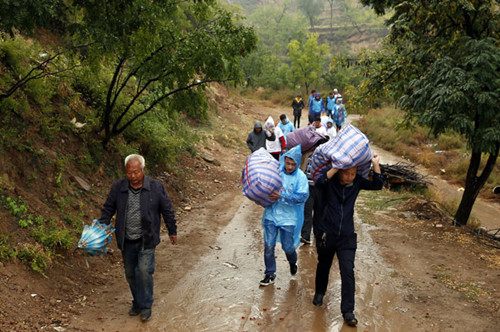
[{"x": 222, "y": 292}]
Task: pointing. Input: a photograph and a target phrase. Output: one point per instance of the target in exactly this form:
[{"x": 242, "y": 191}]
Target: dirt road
[{"x": 210, "y": 280}]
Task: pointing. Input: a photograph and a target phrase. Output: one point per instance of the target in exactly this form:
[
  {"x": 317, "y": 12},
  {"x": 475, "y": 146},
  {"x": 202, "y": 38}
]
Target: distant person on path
[
  {"x": 336, "y": 94},
  {"x": 331, "y": 129},
  {"x": 275, "y": 146},
  {"x": 257, "y": 137},
  {"x": 334, "y": 231},
  {"x": 339, "y": 113},
  {"x": 311, "y": 98},
  {"x": 318, "y": 126},
  {"x": 286, "y": 215},
  {"x": 139, "y": 203},
  {"x": 298, "y": 106},
  {"x": 316, "y": 108},
  {"x": 285, "y": 125},
  {"x": 330, "y": 102}
]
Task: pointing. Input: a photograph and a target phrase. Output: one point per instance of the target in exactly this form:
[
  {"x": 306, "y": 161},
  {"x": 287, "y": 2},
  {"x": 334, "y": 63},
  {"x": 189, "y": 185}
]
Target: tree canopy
[
  {"x": 156, "y": 50},
  {"x": 444, "y": 71}
]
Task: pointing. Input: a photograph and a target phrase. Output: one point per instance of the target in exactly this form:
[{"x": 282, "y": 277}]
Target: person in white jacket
[{"x": 278, "y": 145}]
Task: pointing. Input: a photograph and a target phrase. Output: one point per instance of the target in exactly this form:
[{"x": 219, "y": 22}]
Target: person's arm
[
  {"x": 109, "y": 207},
  {"x": 270, "y": 135},
  {"x": 168, "y": 214},
  {"x": 378, "y": 179},
  {"x": 300, "y": 192},
  {"x": 249, "y": 142},
  {"x": 322, "y": 180}
]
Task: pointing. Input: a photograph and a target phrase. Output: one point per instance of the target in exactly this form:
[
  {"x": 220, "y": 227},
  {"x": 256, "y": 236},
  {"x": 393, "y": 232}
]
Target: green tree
[
  {"x": 307, "y": 60},
  {"x": 276, "y": 24},
  {"x": 311, "y": 9},
  {"x": 157, "y": 50},
  {"x": 444, "y": 72},
  {"x": 26, "y": 15}
]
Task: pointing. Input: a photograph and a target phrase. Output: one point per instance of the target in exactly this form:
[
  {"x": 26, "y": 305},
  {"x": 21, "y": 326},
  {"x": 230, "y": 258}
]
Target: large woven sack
[
  {"x": 348, "y": 149},
  {"x": 260, "y": 177},
  {"x": 305, "y": 136}
]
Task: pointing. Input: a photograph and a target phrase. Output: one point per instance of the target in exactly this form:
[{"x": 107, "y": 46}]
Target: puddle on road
[{"x": 222, "y": 292}]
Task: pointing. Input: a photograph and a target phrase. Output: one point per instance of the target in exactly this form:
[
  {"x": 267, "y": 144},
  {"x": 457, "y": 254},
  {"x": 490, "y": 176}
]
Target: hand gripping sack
[
  {"x": 305, "y": 136},
  {"x": 260, "y": 177},
  {"x": 348, "y": 149}
]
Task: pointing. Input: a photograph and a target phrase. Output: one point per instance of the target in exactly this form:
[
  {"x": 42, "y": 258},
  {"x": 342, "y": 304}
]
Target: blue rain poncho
[{"x": 288, "y": 210}]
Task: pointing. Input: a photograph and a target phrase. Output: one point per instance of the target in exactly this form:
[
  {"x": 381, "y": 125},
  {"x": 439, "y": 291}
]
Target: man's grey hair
[{"x": 135, "y": 156}]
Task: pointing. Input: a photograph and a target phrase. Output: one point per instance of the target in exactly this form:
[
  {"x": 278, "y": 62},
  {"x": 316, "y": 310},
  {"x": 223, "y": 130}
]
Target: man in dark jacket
[
  {"x": 334, "y": 231},
  {"x": 298, "y": 106},
  {"x": 139, "y": 202},
  {"x": 257, "y": 137}
]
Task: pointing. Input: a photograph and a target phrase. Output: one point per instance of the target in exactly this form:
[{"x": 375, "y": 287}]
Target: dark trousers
[
  {"x": 139, "y": 266},
  {"x": 345, "y": 248},
  {"x": 296, "y": 121},
  {"x": 308, "y": 214}
]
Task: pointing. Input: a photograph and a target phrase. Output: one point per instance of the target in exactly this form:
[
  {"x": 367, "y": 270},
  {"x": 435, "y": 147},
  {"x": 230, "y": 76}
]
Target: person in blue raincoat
[
  {"x": 316, "y": 107},
  {"x": 285, "y": 125},
  {"x": 339, "y": 113},
  {"x": 282, "y": 221}
]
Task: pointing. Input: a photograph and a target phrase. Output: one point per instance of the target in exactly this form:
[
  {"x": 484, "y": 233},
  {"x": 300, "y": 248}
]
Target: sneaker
[
  {"x": 318, "y": 299},
  {"x": 350, "y": 319},
  {"x": 145, "y": 314},
  {"x": 134, "y": 311},
  {"x": 268, "y": 280},
  {"x": 293, "y": 268},
  {"x": 306, "y": 241}
]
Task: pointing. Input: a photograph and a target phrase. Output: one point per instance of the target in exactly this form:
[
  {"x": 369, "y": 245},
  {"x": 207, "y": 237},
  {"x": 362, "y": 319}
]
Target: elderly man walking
[{"x": 139, "y": 202}]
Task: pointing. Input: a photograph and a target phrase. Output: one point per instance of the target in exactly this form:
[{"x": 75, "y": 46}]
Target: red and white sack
[
  {"x": 305, "y": 136},
  {"x": 350, "y": 148},
  {"x": 260, "y": 177}
]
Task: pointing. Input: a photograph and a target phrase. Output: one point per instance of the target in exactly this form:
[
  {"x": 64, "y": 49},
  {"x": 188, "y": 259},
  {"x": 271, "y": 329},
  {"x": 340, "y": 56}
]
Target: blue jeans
[
  {"x": 286, "y": 237},
  {"x": 139, "y": 266}
]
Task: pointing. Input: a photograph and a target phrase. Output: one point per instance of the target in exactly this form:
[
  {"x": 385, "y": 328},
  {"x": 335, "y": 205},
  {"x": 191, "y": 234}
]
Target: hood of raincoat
[
  {"x": 329, "y": 121},
  {"x": 257, "y": 124},
  {"x": 269, "y": 123},
  {"x": 317, "y": 95},
  {"x": 294, "y": 153},
  {"x": 339, "y": 99}
]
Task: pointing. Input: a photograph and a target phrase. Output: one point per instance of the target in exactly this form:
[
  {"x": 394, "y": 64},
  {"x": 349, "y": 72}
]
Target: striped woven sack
[
  {"x": 348, "y": 149},
  {"x": 260, "y": 177}
]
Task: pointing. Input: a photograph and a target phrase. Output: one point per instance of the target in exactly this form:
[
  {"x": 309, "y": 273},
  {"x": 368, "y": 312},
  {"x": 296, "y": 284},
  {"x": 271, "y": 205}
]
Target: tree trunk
[{"x": 473, "y": 184}]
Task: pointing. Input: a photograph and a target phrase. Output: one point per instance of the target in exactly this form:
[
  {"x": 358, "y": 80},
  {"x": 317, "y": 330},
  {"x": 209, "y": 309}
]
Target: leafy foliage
[
  {"x": 307, "y": 60},
  {"x": 157, "y": 49},
  {"x": 444, "y": 70}
]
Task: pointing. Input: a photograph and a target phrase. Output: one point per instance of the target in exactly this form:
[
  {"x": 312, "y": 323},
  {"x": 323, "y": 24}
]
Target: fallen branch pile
[{"x": 403, "y": 173}]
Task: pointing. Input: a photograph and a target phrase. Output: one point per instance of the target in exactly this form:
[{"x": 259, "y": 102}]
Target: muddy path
[{"x": 210, "y": 280}]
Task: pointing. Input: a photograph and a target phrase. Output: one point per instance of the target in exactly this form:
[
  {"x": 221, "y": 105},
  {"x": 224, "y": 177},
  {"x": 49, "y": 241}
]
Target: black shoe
[
  {"x": 306, "y": 241},
  {"x": 145, "y": 314},
  {"x": 268, "y": 280},
  {"x": 350, "y": 319},
  {"x": 134, "y": 311},
  {"x": 293, "y": 268},
  {"x": 318, "y": 299}
]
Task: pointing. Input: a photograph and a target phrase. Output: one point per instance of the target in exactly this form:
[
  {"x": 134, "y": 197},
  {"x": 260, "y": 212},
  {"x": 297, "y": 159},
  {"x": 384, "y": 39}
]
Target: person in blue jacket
[
  {"x": 282, "y": 221},
  {"x": 334, "y": 230},
  {"x": 285, "y": 125},
  {"x": 330, "y": 103},
  {"x": 339, "y": 113},
  {"x": 316, "y": 107}
]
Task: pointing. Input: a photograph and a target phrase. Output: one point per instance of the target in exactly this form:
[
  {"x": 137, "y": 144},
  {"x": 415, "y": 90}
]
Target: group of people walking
[
  {"x": 323, "y": 206},
  {"x": 331, "y": 106}
]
